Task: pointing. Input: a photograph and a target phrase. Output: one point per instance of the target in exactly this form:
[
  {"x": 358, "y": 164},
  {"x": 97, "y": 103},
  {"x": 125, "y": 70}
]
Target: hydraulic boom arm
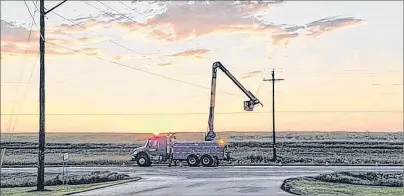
[{"x": 248, "y": 105}]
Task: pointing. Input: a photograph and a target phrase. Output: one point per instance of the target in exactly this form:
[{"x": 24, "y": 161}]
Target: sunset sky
[{"x": 342, "y": 63}]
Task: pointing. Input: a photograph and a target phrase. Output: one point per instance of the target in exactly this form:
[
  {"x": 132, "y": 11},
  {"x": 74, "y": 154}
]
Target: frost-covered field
[{"x": 246, "y": 147}]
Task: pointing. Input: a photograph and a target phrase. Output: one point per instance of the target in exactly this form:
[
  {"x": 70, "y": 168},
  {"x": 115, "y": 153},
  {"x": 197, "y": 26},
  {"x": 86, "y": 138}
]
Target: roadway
[{"x": 239, "y": 180}]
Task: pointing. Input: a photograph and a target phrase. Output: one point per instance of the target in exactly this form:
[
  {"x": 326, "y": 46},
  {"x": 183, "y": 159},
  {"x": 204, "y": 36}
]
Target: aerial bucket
[
  {"x": 210, "y": 136},
  {"x": 248, "y": 106}
]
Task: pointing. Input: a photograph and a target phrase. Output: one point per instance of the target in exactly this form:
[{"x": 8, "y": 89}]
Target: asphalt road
[{"x": 207, "y": 181}]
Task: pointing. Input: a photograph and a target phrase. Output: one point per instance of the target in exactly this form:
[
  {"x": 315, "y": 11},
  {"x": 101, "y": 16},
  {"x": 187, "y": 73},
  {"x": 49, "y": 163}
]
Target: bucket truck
[{"x": 164, "y": 149}]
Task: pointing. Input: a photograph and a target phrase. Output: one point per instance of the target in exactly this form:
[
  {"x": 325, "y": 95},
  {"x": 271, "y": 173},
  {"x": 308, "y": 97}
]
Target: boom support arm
[{"x": 248, "y": 105}]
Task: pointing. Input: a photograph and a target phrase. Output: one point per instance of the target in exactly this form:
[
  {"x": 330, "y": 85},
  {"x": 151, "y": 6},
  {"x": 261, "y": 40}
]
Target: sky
[{"x": 341, "y": 62}]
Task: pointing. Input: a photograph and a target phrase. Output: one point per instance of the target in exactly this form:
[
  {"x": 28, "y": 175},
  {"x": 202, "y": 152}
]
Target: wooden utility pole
[
  {"x": 41, "y": 139},
  {"x": 41, "y": 153},
  {"x": 273, "y": 80}
]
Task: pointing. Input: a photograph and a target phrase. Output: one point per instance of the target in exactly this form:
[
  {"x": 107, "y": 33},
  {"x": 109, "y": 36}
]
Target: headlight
[{"x": 134, "y": 153}]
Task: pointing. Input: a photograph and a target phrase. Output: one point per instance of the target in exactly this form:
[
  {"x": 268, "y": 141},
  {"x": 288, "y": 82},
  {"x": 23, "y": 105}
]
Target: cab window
[
  {"x": 162, "y": 144},
  {"x": 153, "y": 143}
]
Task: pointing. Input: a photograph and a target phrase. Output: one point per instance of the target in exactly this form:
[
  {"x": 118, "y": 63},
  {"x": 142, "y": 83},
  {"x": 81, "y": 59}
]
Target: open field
[
  {"x": 347, "y": 183},
  {"x": 246, "y": 147}
]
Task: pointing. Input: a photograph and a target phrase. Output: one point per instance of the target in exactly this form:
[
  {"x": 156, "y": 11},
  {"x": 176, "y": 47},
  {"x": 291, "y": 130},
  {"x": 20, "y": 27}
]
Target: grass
[
  {"x": 390, "y": 179},
  {"x": 347, "y": 183},
  {"x": 292, "y": 147},
  {"x": 25, "y": 179},
  {"x": 57, "y": 190},
  {"x": 307, "y": 187}
]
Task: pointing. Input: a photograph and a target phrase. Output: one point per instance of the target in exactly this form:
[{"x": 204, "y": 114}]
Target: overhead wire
[
  {"x": 13, "y": 121},
  {"x": 204, "y": 113},
  {"x": 78, "y": 24},
  {"x": 26, "y": 91},
  {"x": 32, "y": 16},
  {"x": 141, "y": 70},
  {"x": 125, "y": 15},
  {"x": 121, "y": 64},
  {"x": 109, "y": 14}
]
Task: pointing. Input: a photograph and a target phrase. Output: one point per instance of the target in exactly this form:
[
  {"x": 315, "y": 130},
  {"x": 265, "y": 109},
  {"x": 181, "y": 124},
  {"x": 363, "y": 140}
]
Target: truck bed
[
  {"x": 181, "y": 150},
  {"x": 197, "y": 143}
]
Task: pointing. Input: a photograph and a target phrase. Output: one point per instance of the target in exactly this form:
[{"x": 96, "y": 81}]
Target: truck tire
[
  {"x": 215, "y": 161},
  {"x": 193, "y": 160},
  {"x": 206, "y": 160},
  {"x": 148, "y": 163},
  {"x": 143, "y": 160},
  {"x": 170, "y": 160}
]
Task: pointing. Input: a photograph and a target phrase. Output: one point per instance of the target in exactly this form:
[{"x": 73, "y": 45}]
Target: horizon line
[{"x": 269, "y": 131}]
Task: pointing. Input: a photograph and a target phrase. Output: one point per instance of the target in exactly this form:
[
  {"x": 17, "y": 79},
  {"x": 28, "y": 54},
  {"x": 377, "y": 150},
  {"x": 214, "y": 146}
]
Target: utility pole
[
  {"x": 41, "y": 148},
  {"x": 41, "y": 153},
  {"x": 273, "y": 80}
]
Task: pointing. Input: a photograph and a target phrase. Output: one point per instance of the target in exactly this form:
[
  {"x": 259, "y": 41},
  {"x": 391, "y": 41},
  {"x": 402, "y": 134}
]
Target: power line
[
  {"x": 114, "y": 42},
  {"x": 74, "y": 23},
  {"x": 124, "y": 15},
  {"x": 114, "y": 17},
  {"x": 121, "y": 64},
  {"x": 204, "y": 113},
  {"x": 12, "y": 121},
  {"x": 36, "y": 5},
  {"x": 98, "y": 8},
  {"x": 32, "y": 16},
  {"x": 141, "y": 70},
  {"x": 25, "y": 92}
]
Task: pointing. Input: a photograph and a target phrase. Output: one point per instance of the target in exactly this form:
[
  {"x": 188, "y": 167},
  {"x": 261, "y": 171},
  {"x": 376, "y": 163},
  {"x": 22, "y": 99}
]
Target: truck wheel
[
  {"x": 148, "y": 163},
  {"x": 216, "y": 161},
  {"x": 206, "y": 160},
  {"x": 143, "y": 161},
  {"x": 193, "y": 160}
]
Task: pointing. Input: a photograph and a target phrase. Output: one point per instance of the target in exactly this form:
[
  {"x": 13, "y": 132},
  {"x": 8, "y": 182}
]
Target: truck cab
[{"x": 154, "y": 150}]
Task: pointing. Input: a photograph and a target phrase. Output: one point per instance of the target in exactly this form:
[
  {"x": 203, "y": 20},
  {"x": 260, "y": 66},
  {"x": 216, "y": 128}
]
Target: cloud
[
  {"x": 250, "y": 74},
  {"x": 292, "y": 28},
  {"x": 12, "y": 49},
  {"x": 191, "y": 53},
  {"x": 78, "y": 27},
  {"x": 182, "y": 21},
  {"x": 164, "y": 64},
  {"x": 283, "y": 39},
  {"x": 11, "y": 33},
  {"x": 20, "y": 40},
  {"x": 89, "y": 51},
  {"x": 117, "y": 58},
  {"x": 313, "y": 29},
  {"x": 179, "y": 21},
  {"x": 325, "y": 25}
]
